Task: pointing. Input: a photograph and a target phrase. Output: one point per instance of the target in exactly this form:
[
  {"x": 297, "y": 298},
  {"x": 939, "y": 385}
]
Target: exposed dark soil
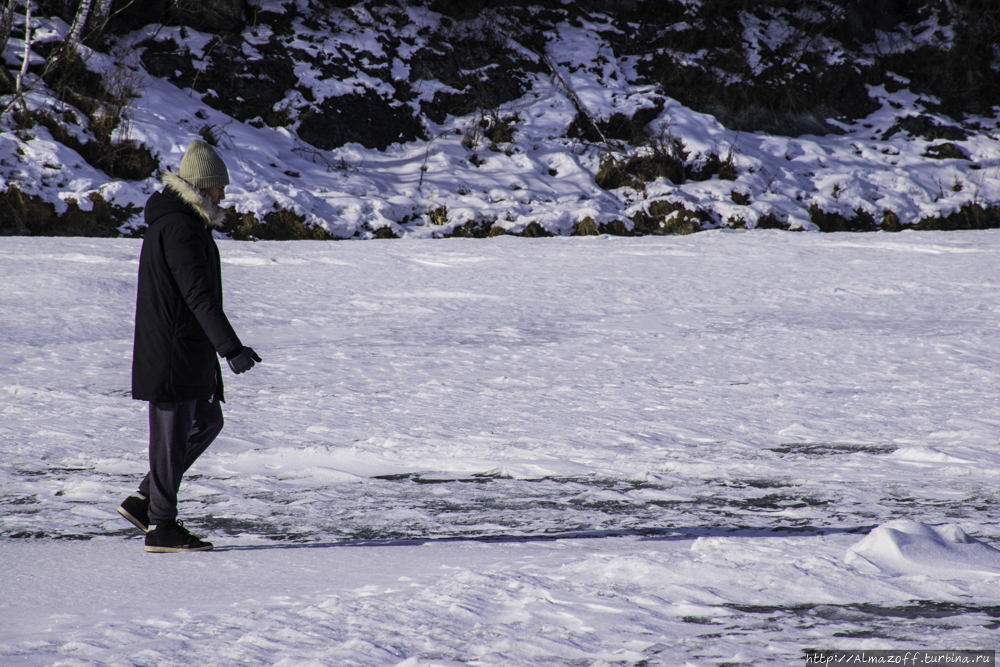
[
  {"x": 487, "y": 73},
  {"x": 232, "y": 83},
  {"x": 926, "y": 127},
  {"x": 367, "y": 119}
]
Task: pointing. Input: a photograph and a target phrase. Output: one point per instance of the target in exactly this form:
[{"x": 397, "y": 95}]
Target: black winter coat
[{"x": 179, "y": 321}]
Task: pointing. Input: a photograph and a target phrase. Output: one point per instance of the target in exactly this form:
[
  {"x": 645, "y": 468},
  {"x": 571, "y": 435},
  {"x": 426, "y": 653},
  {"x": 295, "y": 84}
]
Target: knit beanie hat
[{"x": 202, "y": 167}]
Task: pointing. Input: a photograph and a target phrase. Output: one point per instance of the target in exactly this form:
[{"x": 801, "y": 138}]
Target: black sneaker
[
  {"x": 172, "y": 537},
  {"x": 136, "y": 509}
]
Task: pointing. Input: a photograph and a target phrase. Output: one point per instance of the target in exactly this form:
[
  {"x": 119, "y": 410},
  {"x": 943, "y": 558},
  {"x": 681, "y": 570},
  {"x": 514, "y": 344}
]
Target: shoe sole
[
  {"x": 176, "y": 550},
  {"x": 135, "y": 522}
]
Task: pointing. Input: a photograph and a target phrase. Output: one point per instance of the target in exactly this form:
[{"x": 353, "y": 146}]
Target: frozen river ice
[{"x": 512, "y": 451}]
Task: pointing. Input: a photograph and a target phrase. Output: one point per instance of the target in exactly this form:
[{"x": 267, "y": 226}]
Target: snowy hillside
[{"x": 373, "y": 119}]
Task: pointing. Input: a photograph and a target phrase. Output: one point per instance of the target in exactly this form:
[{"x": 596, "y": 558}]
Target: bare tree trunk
[
  {"x": 19, "y": 85},
  {"x": 6, "y": 24},
  {"x": 73, "y": 39},
  {"x": 99, "y": 16}
]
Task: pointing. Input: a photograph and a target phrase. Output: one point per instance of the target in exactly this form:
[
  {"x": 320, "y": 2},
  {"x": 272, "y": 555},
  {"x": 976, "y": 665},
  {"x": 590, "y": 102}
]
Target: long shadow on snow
[{"x": 652, "y": 534}]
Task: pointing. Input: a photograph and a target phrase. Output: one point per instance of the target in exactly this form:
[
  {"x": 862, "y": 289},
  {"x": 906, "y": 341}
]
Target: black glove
[{"x": 243, "y": 360}]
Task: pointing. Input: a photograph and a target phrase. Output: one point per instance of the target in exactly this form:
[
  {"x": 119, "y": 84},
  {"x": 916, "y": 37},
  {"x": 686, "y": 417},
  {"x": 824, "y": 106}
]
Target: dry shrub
[
  {"x": 473, "y": 229},
  {"x": 713, "y": 165},
  {"x": 17, "y": 210},
  {"x": 615, "y": 228},
  {"x": 127, "y": 160},
  {"x": 970, "y": 216},
  {"x": 663, "y": 157},
  {"x": 439, "y": 215},
  {"x": 890, "y": 222},
  {"x": 24, "y": 215},
  {"x": 279, "y": 225},
  {"x": 629, "y": 129},
  {"x": 534, "y": 231},
  {"x": 586, "y": 227},
  {"x": 107, "y": 104},
  {"x": 385, "y": 233},
  {"x": 638, "y": 170},
  {"x": 278, "y": 118},
  {"x": 669, "y": 218},
  {"x": 771, "y": 221},
  {"x": 583, "y": 128},
  {"x": 862, "y": 221},
  {"x": 209, "y": 135},
  {"x": 945, "y": 151},
  {"x": 70, "y": 80},
  {"x": 491, "y": 125}
]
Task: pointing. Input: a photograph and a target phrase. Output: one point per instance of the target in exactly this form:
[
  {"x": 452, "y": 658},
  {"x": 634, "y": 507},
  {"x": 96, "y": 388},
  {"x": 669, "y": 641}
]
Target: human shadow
[{"x": 644, "y": 535}]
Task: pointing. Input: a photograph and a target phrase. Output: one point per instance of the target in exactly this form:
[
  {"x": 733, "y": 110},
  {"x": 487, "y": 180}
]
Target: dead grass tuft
[
  {"x": 586, "y": 227},
  {"x": 439, "y": 215}
]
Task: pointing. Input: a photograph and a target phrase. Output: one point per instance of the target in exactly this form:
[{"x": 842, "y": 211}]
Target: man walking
[{"x": 180, "y": 326}]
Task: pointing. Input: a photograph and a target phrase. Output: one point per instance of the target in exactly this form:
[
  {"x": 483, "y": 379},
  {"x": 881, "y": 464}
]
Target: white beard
[{"x": 208, "y": 210}]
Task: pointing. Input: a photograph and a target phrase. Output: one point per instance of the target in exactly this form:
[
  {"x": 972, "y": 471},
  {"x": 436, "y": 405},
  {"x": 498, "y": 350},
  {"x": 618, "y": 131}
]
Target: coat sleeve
[{"x": 187, "y": 256}]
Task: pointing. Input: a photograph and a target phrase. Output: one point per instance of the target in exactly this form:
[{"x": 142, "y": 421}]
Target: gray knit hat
[{"x": 202, "y": 167}]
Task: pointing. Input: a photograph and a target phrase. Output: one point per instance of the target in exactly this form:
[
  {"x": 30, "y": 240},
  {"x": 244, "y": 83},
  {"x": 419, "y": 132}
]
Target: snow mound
[
  {"x": 910, "y": 547},
  {"x": 925, "y": 454}
]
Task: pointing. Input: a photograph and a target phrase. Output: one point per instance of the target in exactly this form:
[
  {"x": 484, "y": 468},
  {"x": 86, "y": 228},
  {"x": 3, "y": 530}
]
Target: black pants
[{"x": 178, "y": 434}]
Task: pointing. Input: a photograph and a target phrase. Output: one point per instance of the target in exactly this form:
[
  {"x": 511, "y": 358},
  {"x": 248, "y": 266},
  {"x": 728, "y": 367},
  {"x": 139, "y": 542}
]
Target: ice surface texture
[{"x": 723, "y": 447}]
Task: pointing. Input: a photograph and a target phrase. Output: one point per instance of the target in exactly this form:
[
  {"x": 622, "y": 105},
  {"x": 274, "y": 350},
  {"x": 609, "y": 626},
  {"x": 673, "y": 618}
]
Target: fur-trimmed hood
[{"x": 202, "y": 204}]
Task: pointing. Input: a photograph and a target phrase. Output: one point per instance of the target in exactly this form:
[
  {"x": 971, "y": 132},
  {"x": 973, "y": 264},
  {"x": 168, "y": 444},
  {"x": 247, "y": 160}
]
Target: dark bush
[
  {"x": 970, "y": 216},
  {"x": 127, "y": 160},
  {"x": 837, "y": 222},
  {"x": 24, "y": 215},
  {"x": 586, "y": 227},
  {"x": 534, "y": 231},
  {"x": 280, "y": 224}
]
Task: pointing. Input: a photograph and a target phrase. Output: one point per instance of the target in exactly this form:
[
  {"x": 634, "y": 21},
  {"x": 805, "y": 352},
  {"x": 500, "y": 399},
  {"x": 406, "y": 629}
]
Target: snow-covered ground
[{"x": 720, "y": 448}]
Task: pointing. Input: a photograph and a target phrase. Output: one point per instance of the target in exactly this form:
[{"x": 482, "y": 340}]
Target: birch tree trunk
[
  {"x": 73, "y": 39},
  {"x": 6, "y": 24},
  {"x": 19, "y": 86}
]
